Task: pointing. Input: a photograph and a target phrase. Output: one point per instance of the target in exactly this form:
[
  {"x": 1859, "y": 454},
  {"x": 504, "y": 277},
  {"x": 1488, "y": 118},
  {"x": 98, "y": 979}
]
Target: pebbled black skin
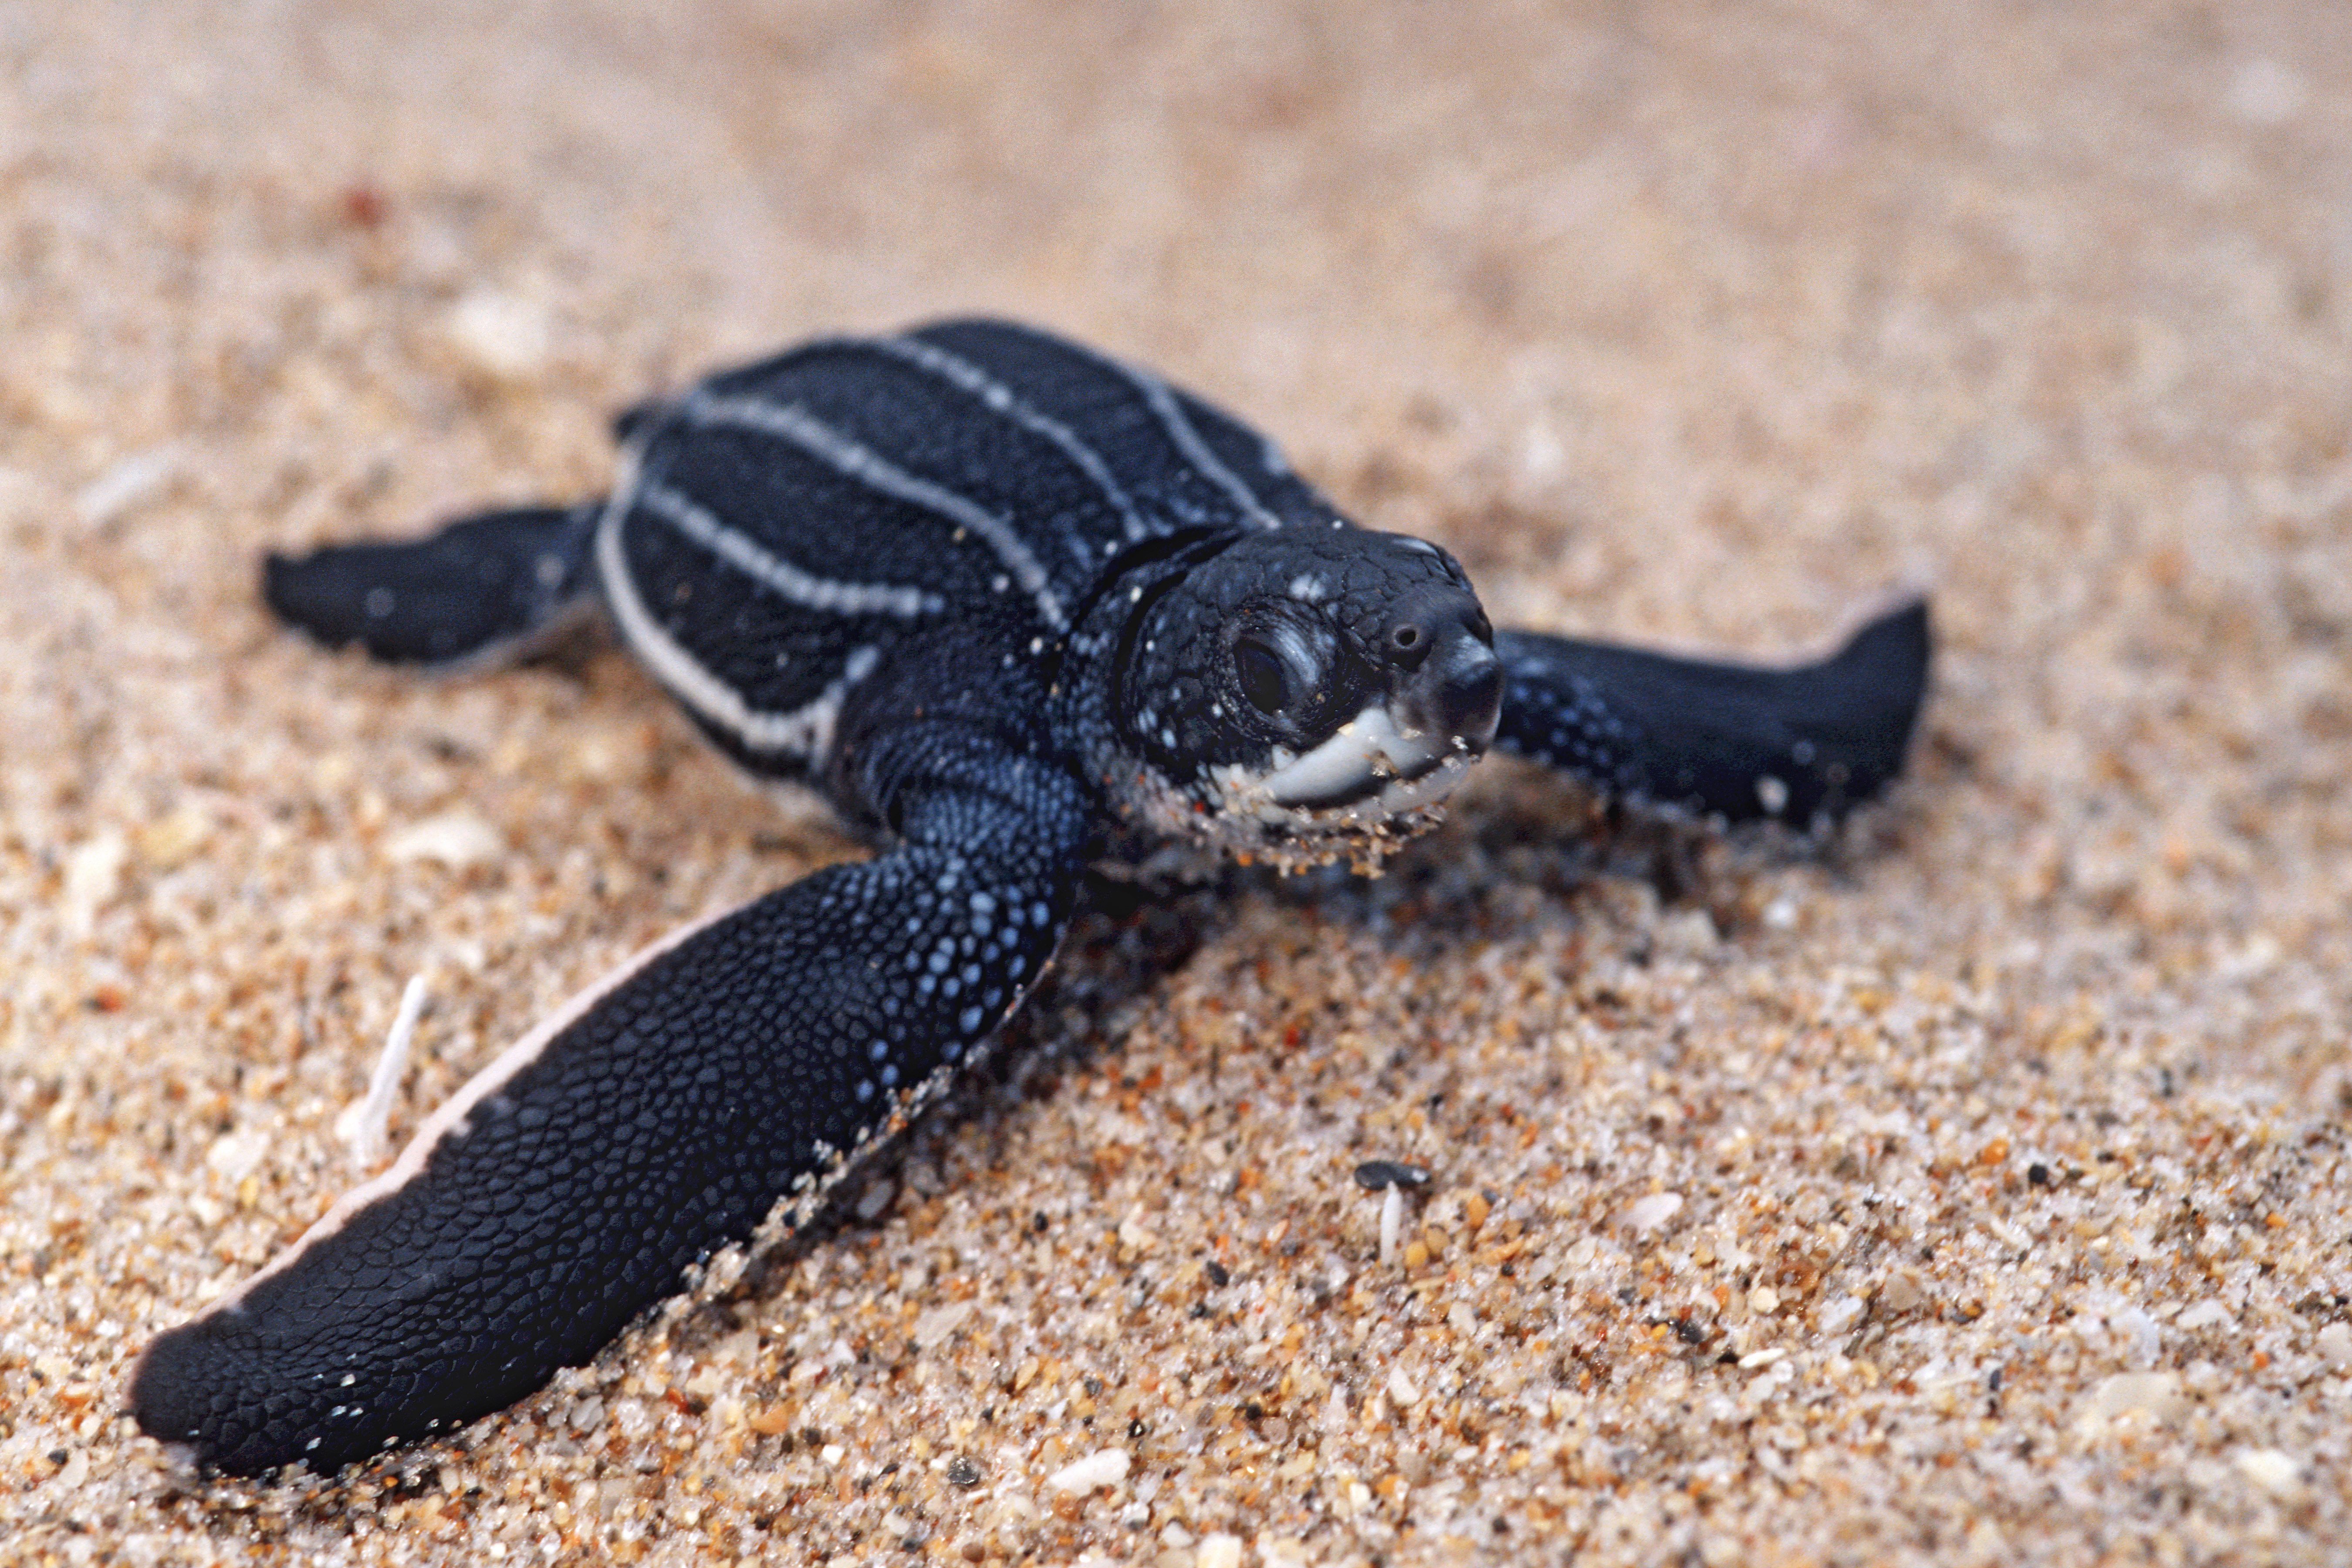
[
  {"x": 992, "y": 696},
  {"x": 1800, "y": 745},
  {"x": 660, "y": 1127}
]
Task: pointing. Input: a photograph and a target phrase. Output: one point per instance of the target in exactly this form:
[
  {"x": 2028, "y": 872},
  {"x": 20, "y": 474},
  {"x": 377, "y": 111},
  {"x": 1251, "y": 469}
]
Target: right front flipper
[{"x": 658, "y": 1119}]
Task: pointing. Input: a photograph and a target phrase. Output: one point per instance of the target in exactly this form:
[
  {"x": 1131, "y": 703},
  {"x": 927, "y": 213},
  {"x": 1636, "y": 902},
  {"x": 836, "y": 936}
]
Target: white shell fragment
[
  {"x": 1220, "y": 1551},
  {"x": 234, "y": 1155},
  {"x": 455, "y": 839},
  {"x": 2275, "y": 1472},
  {"x": 2153, "y": 1394},
  {"x": 93, "y": 871},
  {"x": 133, "y": 479},
  {"x": 933, "y": 1328},
  {"x": 502, "y": 335},
  {"x": 1105, "y": 1468},
  {"x": 1650, "y": 1213}
]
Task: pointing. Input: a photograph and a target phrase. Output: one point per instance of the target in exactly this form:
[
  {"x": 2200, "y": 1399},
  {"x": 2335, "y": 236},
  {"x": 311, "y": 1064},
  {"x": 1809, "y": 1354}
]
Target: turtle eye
[{"x": 1264, "y": 678}]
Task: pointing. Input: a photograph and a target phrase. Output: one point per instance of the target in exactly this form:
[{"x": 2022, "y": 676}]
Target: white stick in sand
[{"x": 365, "y": 1122}]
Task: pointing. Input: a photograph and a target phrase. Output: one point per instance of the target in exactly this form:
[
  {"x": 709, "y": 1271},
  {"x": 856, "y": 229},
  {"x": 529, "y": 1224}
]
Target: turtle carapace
[{"x": 1001, "y": 599}]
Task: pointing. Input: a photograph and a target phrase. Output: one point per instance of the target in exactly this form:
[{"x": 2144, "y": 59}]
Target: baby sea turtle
[{"x": 1002, "y": 599}]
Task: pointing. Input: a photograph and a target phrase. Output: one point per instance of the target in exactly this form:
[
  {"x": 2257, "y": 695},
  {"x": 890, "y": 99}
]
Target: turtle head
[{"x": 1308, "y": 693}]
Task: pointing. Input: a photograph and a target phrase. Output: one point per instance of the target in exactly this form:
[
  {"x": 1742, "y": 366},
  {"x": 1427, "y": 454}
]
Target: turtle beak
[
  {"x": 1411, "y": 747},
  {"x": 1448, "y": 684}
]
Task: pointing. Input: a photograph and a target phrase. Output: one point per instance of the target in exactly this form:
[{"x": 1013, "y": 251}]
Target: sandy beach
[{"x": 1972, "y": 1190}]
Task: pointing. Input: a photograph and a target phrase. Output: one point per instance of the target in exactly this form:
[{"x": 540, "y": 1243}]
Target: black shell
[{"x": 781, "y": 529}]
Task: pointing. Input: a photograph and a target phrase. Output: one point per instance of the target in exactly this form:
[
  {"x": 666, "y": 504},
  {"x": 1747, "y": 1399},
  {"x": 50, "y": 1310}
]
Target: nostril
[{"x": 1415, "y": 629}]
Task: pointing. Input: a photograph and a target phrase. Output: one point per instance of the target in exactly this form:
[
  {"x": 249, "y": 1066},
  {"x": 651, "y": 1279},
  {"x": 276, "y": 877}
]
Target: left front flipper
[
  {"x": 1798, "y": 745},
  {"x": 658, "y": 1119}
]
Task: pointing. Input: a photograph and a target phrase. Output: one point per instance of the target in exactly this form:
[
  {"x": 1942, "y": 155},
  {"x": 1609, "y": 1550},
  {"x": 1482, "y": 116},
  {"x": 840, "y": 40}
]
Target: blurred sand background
[{"x": 1974, "y": 1194}]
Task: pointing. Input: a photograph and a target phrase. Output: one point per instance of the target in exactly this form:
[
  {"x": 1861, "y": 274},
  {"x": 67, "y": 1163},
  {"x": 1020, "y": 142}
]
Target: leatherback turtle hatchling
[{"x": 996, "y": 595}]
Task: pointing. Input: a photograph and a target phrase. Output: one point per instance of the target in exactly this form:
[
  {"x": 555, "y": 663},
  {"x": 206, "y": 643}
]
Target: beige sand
[{"x": 1978, "y": 1194}]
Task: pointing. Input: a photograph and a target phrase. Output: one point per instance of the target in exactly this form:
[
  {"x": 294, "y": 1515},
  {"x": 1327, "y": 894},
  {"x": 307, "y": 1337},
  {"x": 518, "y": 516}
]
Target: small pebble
[
  {"x": 456, "y": 839},
  {"x": 1375, "y": 1175},
  {"x": 2208, "y": 1315},
  {"x": 503, "y": 336},
  {"x": 875, "y": 1200},
  {"x": 1218, "y": 1550},
  {"x": 933, "y": 1328},
  {"x": 1650, "y": 1213},
  {"x": 1839, "y": 1315},
  {"x": 2273, "y": 1472},
  {"x": 2156, "y": 1395}
]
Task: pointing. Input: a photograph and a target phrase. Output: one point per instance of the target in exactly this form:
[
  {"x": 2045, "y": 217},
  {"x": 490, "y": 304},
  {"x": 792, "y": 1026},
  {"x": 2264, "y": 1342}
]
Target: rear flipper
[
  {"x": 1799, "y": 746},
  {"x": 658, "y": 1119},
  {"x": 482, "y": 590}
]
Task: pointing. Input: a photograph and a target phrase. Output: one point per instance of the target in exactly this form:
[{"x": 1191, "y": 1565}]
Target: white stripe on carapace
[
  {"x": 1162, "y": 400},
  {"x": 855, "y": 461},
  {"x": 998, "y": 398},
  {"x": 700, "y": 524},
  {"x": 806, "y": 732},
  {"x": 453, "y": 1112}
]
